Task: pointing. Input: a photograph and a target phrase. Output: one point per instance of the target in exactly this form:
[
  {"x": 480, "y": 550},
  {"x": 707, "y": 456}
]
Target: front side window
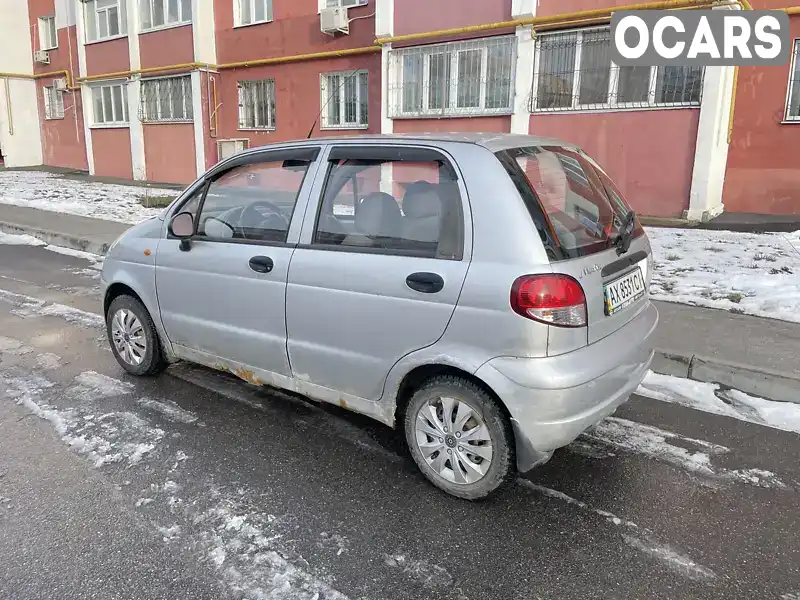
[
  {"x": 166, "y": 100},
  {"x": 104, "y": 19},
  {"x": 344, "y": 100},
  {"x": 793, "y": 99},
  {"x": 110, "y": 105},
  {"x": 257, "y": 104},
  {"x": 401, "y": 204},
  {"x": 249, "y": 12},
  {"x": 253, "y": 202},
  {"x": 53, "y": 103},
  {"x": 163, "y": 13},
  {"x": 463, "y": 78},
  {"x": 574, "y": 72},
  {"x": 48, "y": 36}
]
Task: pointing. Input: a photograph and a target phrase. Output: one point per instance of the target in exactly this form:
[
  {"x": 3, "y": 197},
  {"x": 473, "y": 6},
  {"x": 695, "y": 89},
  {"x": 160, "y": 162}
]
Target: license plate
[{"x": 624, "y": 291}]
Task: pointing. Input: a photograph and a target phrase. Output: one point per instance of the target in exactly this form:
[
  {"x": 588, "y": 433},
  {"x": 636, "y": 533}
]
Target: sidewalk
[{"x": 752, "y": 354}]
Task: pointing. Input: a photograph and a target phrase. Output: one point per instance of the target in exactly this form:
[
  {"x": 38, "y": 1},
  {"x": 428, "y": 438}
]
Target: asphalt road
[{"x": 196, "y": 485}]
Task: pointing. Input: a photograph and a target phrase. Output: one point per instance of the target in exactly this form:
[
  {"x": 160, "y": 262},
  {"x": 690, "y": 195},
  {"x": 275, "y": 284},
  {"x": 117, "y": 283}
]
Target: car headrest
[
  {"x": 422, "y": 200},
  {"x": 378, "y": 215}
]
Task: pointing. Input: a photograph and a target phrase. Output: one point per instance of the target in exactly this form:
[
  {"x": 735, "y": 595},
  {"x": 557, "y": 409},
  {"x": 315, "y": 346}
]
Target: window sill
[
  {"x": 48, "y": 49},
  {"x": 110, "y": 126},
  {"x": 175, "y": 122},
  {"x": 107, "y": 39},
  {"x": 266, "y": 129},
  {"x": 164, "y": 27},
  {"x": 61, "y": 118},
  {"x": 253, "y": 24},
  {"x": 438, "y": 115},
  {"x": 791, "y": 122},
  {"x": 584, "y": 111},
  {"x": 343, "y": 127}
]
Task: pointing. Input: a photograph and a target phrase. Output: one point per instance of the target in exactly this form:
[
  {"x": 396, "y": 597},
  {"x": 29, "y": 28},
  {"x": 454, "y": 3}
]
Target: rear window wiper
[{"x": 623, "y": 240}]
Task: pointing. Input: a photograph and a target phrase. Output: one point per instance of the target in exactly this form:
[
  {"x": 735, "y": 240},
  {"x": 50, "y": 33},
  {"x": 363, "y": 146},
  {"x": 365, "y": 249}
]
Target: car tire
[
  {"x": 130, "y": 311},
  {"x": 485, "y": 410}
]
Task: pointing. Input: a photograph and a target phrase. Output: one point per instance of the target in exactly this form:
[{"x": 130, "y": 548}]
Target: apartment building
[{"x": 160, "y": 90}]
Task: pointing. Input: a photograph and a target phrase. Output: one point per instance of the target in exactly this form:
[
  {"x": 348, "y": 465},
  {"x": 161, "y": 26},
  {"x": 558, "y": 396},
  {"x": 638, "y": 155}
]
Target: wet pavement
[{"x": 197, "y": 485}]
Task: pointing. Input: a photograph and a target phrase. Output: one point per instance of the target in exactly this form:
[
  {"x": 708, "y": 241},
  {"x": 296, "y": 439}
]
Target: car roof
[{"x": 491, "y": 141}]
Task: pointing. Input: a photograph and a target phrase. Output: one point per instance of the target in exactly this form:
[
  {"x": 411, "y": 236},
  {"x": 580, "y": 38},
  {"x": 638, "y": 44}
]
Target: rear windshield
[{"x": 575, "y": 205}]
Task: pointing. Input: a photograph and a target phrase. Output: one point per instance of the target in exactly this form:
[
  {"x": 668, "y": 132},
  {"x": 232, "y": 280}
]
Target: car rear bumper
[{"x": 553, "y": 400}]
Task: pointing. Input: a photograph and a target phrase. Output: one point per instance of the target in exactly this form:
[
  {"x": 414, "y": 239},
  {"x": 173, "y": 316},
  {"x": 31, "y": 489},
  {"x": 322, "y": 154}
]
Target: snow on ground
[
  {"x": 50, "y": 191},
  {"x": 752, "y": 273},
  {"x": 635, "y": 536},
  {"x": 712, "y": 398},
  {"x": 13, "y": 239}
]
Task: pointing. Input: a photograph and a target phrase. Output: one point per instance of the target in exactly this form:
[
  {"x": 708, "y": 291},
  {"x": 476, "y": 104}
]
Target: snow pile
[
  {"x": 751, "y": 273},
  {"x": 689, "y": 454},
  {"x": 28, "y": 306},
  {"x": 710, "y": 397},
  {"x": 49, "y": 191},
  {"x": 13, "y": 239}
]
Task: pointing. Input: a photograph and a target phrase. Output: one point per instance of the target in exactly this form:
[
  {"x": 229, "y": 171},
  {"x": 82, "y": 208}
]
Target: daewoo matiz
[{"x": 485, "y": 293}]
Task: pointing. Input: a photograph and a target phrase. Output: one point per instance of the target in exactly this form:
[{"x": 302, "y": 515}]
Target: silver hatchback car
[{"x": 485, "y": 293}]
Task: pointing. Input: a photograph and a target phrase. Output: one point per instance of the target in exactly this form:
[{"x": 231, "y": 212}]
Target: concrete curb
[
  {"x": 757, "y": 381},
  {"x": 57, "y": 239}
]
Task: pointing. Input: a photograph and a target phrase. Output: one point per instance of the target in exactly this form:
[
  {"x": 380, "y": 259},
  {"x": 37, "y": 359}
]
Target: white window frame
[
  {"x": 271, "y": 102},
  {"x": 102, "y": 13},
  {"x": 48, "y": 33},
  {"x": 237, "y": 12},
  {"x": 114, "y": 122},
  {"x": 611, "y": 102},
  {"x": 341, "y": 3},
  {"x": 148, "y": 7},
  {"x": 188, "y": 107},
  {"x": 53, "y": 102},
  {"x": 325, "y": 92},
  {"x": 452, "y": 109},
  {"x": 794, "y": 63}
]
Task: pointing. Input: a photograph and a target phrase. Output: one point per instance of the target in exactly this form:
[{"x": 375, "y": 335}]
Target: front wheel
[
  {"x": 460, "y": 438},
  {"x": 133, "y": 337}
]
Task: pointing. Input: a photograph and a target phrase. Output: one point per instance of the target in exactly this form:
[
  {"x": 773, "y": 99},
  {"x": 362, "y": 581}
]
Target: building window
[
  {"x": 248, "y": 12},
  {"x": 474, "y": 77},
  {"x": 163, "y": 13},
  {"x": 257, "y": 104},
  {"x": 344, "y": 100},
  {"x": 166, "y": 99},
  {"x": 53, "y": 102},
  {"x": 793, "y": 97},
  {"x": 48, "y": 36},
  {"x": 343, "y": 3},
  {"x": 104, "y": 19},
  {"x": 573, "y": 71},
  {"x": 110, "y": 105}
]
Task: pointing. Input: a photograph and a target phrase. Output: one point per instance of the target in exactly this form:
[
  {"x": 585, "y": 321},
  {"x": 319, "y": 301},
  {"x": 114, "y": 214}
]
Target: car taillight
[{"x": 552, "y": 299}]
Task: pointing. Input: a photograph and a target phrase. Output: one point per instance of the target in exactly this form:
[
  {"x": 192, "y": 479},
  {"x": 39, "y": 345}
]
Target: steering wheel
[{"x": 251, "y": 212}]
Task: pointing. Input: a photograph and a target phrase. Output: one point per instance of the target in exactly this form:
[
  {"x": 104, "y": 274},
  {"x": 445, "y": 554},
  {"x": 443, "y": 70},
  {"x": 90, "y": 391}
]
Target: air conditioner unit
[
  {"x": 42, "y": 56},
  {"x": 226, "y": 148},
  {"x": 60, "y": 84},
  {"x": 333, "y": 20}
]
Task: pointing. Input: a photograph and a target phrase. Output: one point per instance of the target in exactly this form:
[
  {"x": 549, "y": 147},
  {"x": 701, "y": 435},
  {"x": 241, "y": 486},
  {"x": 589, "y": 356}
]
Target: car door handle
[
  {"x": 261, "y": 264},
  {"x": 427, "y": 283}
]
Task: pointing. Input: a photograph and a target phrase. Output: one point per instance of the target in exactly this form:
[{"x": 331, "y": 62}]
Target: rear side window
[{"x": 575, "y": 205}]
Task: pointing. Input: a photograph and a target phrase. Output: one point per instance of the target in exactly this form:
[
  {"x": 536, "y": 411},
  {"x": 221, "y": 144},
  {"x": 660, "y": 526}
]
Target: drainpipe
[{"x": 8, "y": 107}]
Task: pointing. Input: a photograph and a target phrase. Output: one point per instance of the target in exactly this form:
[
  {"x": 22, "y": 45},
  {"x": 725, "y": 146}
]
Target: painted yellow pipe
[{"x": 300, "y": 57}]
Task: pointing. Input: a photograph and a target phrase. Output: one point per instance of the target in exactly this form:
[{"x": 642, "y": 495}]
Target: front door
[
  {"x": 223, "y": 298},
  {"x": 378, "y": 275}
]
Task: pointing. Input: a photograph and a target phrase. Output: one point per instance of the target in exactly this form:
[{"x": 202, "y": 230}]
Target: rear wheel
[
  {"x": 133, "y": 337},
  {"x": 460, "y": 438}
]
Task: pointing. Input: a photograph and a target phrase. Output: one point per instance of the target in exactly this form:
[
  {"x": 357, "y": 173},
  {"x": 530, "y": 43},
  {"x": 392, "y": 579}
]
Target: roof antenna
[{"x": 330, "y": 95}]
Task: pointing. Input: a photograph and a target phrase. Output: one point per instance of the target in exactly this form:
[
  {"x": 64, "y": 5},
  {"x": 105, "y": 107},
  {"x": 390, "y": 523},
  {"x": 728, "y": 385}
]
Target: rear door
[
  {"x": 584, "y": 214},
  {"x": 378, "y": 275}
]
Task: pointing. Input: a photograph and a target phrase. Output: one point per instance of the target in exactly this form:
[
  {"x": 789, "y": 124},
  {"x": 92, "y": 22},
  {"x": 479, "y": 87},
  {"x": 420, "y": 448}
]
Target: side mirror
[{"x": 182, "y": 227}]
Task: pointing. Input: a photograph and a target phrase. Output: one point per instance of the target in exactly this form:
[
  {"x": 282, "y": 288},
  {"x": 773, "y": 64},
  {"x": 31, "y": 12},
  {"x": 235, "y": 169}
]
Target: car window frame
[
  {"x": 367, "y": 151},
  {"x": 310, "y": 153}
]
